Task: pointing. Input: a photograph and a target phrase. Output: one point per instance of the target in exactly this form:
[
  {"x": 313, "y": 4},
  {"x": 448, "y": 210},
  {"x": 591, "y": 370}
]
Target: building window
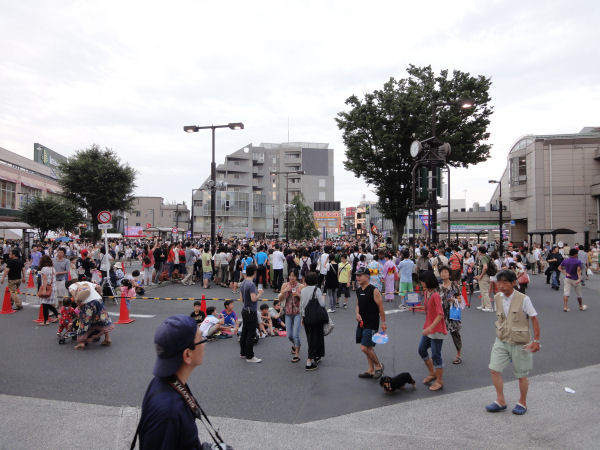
[
  {"x": 274, "y": 160},
  {"x": 518, "y": 170},
  {"x": 138, "y": 214},
  {"x": 137, "y": 224},
  {"x": 7, "y": 194},
  {"x": 322, "y": 182},
  {"x": 321, "y": 196},
  {"x": 236, "y": 176},
  {"x": 274, "y": 196},
  {"x": 236, "y": 163}
]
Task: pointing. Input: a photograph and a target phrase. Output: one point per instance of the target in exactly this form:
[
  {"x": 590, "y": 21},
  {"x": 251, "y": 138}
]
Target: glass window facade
[
  {"x": 518, "y": 170},
  {"x": 7, "y": 194},
  {"x": 231, "y": 203}
]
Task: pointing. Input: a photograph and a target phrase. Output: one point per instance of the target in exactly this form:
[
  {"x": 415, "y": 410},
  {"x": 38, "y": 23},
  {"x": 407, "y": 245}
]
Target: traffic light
[{"x": 368, "y": 209}]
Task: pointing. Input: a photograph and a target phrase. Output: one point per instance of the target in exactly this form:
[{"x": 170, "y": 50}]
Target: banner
[{"x": 425, "y": 220}]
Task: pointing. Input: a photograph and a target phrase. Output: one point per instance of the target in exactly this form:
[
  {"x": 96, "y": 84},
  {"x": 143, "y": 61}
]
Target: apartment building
[{"x": 260, "y": 181}]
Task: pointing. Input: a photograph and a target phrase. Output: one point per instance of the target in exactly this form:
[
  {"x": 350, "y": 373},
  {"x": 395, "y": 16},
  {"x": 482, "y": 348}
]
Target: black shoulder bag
[{"x": 314, "y": 313}]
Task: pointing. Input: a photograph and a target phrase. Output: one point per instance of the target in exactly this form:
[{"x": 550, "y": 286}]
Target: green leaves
[
  {"x": 51, "y": 214},
  {"x": 301, "y": 221},
  {"x": 96, "y": 180},
  {"x": 378, "y": 129}
]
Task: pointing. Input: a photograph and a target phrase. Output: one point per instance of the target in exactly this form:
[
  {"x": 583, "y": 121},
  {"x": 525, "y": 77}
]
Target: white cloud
[{"x": 129, "y": 75}]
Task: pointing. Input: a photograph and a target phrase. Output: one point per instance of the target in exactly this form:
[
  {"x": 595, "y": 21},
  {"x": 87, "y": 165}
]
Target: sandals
[
  {"x": 436, "y": 386},
  {"x": 79, "y": 347},
  {"x": 566, "y": 309},
  {"x": 106, "y": 343},
  {"x": 295, "y": 359},
  {"x": 378, "y": 372},
  {"x": 458, "y": 360},
  {"x": 365, "y": 375},
  {"x": 429, "y": 379}
]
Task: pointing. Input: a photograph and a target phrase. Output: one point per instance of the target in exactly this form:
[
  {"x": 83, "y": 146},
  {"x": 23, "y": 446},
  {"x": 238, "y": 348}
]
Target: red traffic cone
[
  {"x": 40, "y": 318},
  {"x": 124, "y": 312},
  {"x": 30, "y": 282},
  {"x": 6, "y": 304},
  {"x": 203, "y": 304},
  {"x": 69, "y": 275},
  {"x": 464, "y": 294}
]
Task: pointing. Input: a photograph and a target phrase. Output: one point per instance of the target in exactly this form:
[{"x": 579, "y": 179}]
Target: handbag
[
  {"x": 45, "y": 290},
  {"x": 314, "y": 313},
  {"x": 455, "y": 312},
  {"x": 328, "y": 326},
  {"x": 523, "y": 278}
]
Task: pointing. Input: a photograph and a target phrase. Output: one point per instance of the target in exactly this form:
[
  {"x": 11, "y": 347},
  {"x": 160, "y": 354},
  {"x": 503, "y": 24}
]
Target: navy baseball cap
[
  {"x": 363, "y": 271},
  {"x": 171, "y": 338}
]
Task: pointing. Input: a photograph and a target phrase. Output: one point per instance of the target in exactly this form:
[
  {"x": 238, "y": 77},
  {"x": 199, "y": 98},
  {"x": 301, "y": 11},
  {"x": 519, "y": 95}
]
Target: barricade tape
[{"x": 164, "y": 298}]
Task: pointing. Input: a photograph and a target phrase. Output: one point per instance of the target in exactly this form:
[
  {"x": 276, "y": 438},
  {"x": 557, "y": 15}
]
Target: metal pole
[
  {"x": 213, "y": 190},
  {"x": 449, "y": 227},
  {"x": 192, "y": 224},
  {"x": 501, "y": 246},
  {"x": 287, "y": 191}
]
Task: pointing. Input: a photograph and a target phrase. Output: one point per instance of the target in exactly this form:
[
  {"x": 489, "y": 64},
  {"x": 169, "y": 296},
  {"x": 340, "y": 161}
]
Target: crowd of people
[{"x": 308, "y": 277}]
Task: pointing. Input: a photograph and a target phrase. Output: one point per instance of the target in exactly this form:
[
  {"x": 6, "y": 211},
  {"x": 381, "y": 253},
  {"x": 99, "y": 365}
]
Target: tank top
[{"x": 367, "y": 308}]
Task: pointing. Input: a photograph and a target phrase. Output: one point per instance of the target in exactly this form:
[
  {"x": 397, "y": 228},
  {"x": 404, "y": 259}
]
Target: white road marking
[{"x": 142, "y": 316}]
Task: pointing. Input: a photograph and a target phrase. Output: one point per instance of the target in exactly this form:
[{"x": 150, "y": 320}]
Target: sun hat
[{"x": 171, "y": 338}]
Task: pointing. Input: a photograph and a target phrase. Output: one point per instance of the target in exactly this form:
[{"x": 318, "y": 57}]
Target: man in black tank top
[{"x": 369, "y": 310}]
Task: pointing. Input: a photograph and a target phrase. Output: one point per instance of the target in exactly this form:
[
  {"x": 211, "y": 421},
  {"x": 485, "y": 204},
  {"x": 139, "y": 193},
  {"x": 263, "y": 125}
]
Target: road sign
[
  {"x": 148, "y": 225},
  {"x": 105, "y": 226},
  {"x": 174, "y": 230},
  {"x": 104, "y": 217}
]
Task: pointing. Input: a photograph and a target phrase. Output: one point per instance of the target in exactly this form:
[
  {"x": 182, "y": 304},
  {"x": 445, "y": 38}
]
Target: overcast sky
[{"x": 129, "y": 74}]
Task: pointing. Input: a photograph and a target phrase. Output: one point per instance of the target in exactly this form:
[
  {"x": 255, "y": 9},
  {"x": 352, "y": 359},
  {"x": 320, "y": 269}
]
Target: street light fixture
[
  {"x": 213, "y": 168},
  {"x": 501, "y": 246},
  {"x": 287, "y": 191}
]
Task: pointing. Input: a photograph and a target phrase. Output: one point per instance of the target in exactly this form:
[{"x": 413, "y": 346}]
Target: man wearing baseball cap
[{"x": 169, "y": 408}]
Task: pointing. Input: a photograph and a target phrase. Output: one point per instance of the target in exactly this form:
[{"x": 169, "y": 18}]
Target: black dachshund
[{"x": 390, "y": 384}]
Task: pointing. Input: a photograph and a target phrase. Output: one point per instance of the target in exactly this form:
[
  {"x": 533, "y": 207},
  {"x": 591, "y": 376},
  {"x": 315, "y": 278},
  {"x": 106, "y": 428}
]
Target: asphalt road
[{"x": 34, "y": 365}]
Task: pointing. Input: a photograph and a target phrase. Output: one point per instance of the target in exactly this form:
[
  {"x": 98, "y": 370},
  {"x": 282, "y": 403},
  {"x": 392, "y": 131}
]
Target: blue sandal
[
  {"x": 519, "y": 409},
  {"x": 495, "y": 407}
]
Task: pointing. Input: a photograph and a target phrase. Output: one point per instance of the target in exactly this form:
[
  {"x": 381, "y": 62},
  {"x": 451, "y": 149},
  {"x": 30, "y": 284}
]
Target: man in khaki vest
[{"x": 513, "y": 311}]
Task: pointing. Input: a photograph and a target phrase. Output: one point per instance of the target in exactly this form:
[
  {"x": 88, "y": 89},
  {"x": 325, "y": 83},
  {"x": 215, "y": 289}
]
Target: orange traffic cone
[
  {"x": 40, "y": 318},
  {"x": 30, "y": 282},
  {"x": 69, "y": 275},
  {"x": 6, "y": 304},
  {"x": 203, "y": 304},
  {"x": 464, "y": 295},
  {"x": 124, "y": 312}
]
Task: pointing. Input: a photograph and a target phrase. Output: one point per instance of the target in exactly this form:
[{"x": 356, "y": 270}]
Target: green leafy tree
[
  {"x": 301, "y": 220},
  {"x": 95, "y": 180},
  {"x": 379, "y": 128},
  {"x": 51, "y": 214}
]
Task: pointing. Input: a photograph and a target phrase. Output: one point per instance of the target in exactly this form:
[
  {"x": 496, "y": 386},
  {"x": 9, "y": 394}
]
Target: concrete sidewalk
[{"x": 555, "y": 420}]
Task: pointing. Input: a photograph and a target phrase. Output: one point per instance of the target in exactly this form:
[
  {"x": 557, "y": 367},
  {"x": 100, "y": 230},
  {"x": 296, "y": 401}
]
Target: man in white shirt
[
  {"x": 537, "y": 253},
  {"x": 212, "y": 324},
  {"x": 278, "y": 260}
]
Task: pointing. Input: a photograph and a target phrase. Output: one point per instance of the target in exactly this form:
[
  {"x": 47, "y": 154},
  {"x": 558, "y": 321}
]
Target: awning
[
  {"x": 9, "y": 179},
  {"x": 24, "y": 183},
  {"x": 14, "y": 226}
]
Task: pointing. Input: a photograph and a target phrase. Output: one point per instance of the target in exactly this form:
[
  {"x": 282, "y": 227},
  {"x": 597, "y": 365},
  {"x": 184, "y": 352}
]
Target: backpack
[
  {"x": 354, "y": 263},
  {"x": 314, "y": 313},
  {"x": 305, "y": 267},
  {"x": 491, "y": 268}
]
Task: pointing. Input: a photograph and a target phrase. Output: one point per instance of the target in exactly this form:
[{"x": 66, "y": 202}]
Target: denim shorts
[
  {"x": 206, "y": 275},
  {"x": 364, "y": 335}
]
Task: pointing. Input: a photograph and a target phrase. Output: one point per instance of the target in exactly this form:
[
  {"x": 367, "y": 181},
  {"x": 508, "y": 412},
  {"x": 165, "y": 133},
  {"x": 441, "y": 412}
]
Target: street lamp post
[
  {"x": 463, "y": 103},
  {"x": 287, "y": 191},
  {"x": 501, "y": 246},
  {"x": 213, "y": 169}
]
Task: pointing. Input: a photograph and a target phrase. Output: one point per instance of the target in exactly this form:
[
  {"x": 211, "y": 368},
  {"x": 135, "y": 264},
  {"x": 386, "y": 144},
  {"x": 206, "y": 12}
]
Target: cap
[
  {"x": 171, "y": 338},
  {"x": 363, "y": 271}
]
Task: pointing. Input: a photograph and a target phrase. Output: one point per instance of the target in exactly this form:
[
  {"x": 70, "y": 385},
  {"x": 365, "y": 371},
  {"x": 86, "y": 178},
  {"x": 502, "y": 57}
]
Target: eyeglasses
[{"x": 193, "y": 346}]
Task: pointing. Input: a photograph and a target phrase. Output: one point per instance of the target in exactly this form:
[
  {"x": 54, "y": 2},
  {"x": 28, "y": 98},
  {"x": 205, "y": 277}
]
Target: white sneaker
[
  {"x": 480, "y": 307},
  {"x": 330, "y": 310},
  {"x": 487, "y": 310},
  {"x": 254, "y": 360}
]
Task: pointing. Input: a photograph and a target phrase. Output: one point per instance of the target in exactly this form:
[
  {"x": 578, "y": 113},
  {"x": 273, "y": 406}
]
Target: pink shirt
[{"x": 433, "y": 308}]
